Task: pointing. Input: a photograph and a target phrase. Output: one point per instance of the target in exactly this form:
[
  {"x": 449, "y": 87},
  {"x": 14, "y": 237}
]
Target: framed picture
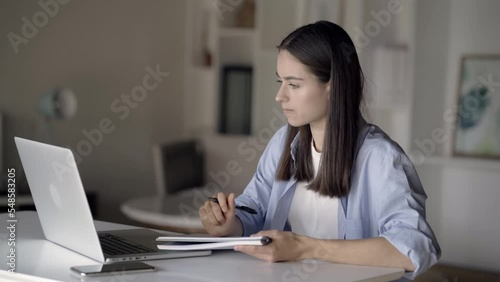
[
  {"x": 477, "y": 132},
  {"x": 235, "y": 106}
]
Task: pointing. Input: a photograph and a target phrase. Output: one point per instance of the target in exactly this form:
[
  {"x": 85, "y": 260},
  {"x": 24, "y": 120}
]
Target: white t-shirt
[{"x": 310, "y": 213}]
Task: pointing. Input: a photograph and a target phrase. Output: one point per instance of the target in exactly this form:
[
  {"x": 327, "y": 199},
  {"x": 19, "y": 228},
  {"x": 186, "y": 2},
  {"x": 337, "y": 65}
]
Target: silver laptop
[{"x": 65, "y": 215}]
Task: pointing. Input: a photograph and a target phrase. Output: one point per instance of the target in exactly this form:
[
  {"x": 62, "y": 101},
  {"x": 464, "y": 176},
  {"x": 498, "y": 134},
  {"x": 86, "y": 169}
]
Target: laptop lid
[{"x": 59, "y": 197}]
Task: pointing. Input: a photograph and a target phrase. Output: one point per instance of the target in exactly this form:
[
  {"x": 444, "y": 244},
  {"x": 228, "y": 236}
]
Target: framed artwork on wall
[
  {"x": 477, "y": 131},
  {"x": 235, "y": 106}
]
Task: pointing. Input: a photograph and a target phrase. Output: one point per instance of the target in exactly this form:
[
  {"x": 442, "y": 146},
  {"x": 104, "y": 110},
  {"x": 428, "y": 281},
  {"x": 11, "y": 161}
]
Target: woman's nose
[{"x": 281, "y": 96}]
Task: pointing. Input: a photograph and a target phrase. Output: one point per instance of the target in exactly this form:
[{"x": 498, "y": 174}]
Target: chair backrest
[{"x": 178, "y": 166}]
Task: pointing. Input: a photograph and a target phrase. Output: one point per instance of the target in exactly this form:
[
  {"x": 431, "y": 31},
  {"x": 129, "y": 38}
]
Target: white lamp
[{"x": 57, "y": 104}]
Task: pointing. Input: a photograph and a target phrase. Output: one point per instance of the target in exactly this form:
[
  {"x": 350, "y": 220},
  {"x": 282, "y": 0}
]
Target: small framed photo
[{"x": 477, "y": 131}]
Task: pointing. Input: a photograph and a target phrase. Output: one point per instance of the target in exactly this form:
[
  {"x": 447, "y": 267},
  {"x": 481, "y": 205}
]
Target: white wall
[
  {"x": 432, "y": 43},
  {"x": 100, "y": 50},
  {"x": 463, "y": 195}
]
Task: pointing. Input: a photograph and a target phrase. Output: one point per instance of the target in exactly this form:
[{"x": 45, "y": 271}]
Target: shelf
[
  {"x": 236, "y": 32},
  {"x": 199, "y": 69},
  {"x": 461, "y": 162}
]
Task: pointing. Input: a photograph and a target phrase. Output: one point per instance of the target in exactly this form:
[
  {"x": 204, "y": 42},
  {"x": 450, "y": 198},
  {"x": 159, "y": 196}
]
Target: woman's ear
[{"x": 328, "y": 87}]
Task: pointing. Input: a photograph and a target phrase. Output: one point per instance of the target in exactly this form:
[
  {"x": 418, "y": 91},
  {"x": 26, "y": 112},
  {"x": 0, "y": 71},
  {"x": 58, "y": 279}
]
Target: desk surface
[{"x": 39, "y": 257}]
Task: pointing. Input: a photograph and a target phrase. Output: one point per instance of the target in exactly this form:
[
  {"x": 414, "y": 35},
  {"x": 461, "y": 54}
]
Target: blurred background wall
[{"x": 100, "y": 50}]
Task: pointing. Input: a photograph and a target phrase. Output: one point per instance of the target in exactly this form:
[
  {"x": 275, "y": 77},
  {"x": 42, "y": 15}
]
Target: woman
[{"x": 329, "y": 186}]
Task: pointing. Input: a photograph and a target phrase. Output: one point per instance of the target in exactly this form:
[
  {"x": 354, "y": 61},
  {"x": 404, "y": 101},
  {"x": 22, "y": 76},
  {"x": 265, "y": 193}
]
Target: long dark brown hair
[{"x": 329, "y": 53}]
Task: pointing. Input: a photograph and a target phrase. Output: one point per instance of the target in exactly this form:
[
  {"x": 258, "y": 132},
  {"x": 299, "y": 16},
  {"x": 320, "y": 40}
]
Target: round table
[{"x": 173, "y": 212}]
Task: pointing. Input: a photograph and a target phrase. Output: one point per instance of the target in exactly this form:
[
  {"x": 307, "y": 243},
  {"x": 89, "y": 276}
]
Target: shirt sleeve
[
  {"x": 401, "y": 209},
  {"x": 257, "y": 193}
]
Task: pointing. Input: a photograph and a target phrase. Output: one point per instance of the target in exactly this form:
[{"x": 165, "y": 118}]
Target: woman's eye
[{"x": 294, "y": 86}]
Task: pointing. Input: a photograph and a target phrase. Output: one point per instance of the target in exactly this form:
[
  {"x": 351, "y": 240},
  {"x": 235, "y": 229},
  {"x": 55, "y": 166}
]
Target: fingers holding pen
[
  {"x": 207, "y": 214},
  {"x": 230, "y": 202},
  {"x": 214, "y": 213},
  {"x": 217, "y": 215},
  {"x": 221, "y": 197}
]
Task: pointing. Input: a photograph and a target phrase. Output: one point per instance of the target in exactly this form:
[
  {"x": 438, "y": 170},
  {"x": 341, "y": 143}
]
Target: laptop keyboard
[{"x": 113, "y": 245}]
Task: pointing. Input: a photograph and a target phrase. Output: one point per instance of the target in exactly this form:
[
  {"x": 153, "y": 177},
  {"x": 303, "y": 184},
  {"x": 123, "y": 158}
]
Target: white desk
[{"x": 36, "y": 256}]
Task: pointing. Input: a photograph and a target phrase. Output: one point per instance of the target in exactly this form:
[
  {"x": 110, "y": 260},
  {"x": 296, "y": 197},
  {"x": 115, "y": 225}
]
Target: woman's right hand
[{"x": 219, "y": 219}]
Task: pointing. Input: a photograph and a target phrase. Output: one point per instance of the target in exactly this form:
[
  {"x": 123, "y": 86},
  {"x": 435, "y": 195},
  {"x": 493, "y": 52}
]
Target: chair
[
  {"x": 179, "y": 171},
  {"x": 178, "y": 166}
]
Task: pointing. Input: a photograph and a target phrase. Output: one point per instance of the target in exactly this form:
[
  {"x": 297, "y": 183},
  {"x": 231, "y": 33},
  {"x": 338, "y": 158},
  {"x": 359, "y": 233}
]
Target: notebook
[
  {"x": 190, "y": 243},
  {"x": 65, "y": 215}
]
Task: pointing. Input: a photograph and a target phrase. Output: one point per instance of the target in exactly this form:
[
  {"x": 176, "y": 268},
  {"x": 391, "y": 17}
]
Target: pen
[
  {"x": 243, "y": 208},
  {"x": 265, "y": 240}
]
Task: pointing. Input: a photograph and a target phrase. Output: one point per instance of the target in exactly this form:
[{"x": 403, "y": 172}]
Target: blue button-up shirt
[{"x": 386, "y": 198}]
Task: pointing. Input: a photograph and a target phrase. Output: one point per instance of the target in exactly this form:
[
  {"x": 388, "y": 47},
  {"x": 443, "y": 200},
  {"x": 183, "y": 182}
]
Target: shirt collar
[{"x": 293, "y": 146}]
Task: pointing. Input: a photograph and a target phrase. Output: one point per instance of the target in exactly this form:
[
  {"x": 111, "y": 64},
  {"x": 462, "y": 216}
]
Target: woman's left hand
[{"x": 285, "y": 246}]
